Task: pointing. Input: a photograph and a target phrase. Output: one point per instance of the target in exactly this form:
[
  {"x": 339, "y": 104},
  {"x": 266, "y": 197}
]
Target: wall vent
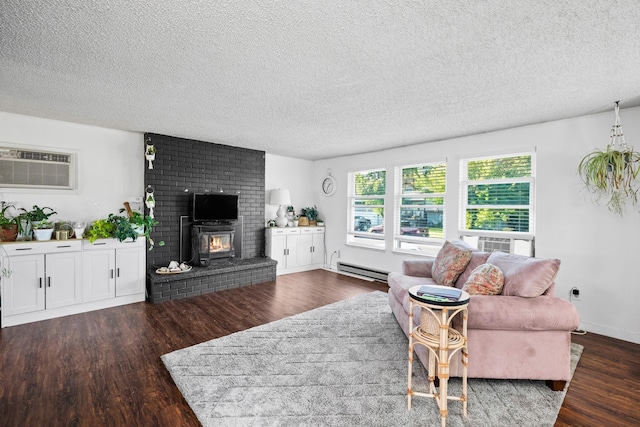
[
  {"x": 363, "y": 271},
  {"x": 27, "y": 168}
]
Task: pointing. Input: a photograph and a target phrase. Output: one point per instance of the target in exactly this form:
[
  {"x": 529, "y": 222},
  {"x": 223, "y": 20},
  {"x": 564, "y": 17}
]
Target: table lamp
[{"x": 282, "y": 198}]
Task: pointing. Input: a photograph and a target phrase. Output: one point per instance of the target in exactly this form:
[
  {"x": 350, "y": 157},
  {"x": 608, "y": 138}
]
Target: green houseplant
[
  {"x": 39, "y": 219},
  {"x": 142, "y": 225},
  {"x": 311, "y": 213},
  {"x": 9, "y": 225},
  {"x": 99, "y": 229},
  {"x": 611, "y": 176}
]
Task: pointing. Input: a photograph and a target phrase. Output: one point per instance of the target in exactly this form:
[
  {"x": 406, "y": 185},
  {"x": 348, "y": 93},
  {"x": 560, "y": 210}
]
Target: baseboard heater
[{"x": 363, "y": 271}]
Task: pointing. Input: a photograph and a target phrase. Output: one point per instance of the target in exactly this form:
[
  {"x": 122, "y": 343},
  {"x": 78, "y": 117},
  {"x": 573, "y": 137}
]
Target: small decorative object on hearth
[
  {"x": 150, "y": 152},
  {"x": 611, "y": 175}
]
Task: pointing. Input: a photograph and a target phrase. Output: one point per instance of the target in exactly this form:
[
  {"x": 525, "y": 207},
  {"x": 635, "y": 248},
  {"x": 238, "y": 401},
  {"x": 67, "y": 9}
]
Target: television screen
[{"x": 215, "y": 207}]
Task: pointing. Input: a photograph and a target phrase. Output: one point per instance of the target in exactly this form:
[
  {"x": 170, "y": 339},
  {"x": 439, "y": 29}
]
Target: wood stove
[{"x": 213, "y": 242}]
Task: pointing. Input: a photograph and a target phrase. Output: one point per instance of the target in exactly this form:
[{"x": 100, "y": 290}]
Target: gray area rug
[{"x": 344, "y": 364}]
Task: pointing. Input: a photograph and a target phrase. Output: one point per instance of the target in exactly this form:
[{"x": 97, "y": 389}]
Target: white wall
[
  {"x": 598, "y": 249},
  {"x": 293, "y": 174},
  {"x": 110, "y": 166}
]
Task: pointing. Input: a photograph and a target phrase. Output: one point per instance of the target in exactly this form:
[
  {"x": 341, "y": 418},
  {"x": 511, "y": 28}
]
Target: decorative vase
[
  {"x": 25, "y": 230},
  {"x": 42, "y": 233},
  {"x": 10, "y": 233}
]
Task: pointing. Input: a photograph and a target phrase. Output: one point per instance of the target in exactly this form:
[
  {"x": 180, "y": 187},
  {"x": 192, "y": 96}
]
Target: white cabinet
[
  {"x": 282, "y": 246},
  {"x": 39, "y": 278},
  {"x": 43, "y": 280},
  {"x": 295, "y": 248},
  {"x": 311, "y": 247},
  {"x": 113, "y": 269}
]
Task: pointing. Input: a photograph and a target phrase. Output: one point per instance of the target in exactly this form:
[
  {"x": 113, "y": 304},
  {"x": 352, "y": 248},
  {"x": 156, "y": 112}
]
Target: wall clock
[{"x": 328, "y": 185}]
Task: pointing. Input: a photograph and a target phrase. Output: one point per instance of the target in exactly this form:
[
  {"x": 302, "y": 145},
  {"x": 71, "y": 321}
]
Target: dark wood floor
[{"x": 104, "y": 369}]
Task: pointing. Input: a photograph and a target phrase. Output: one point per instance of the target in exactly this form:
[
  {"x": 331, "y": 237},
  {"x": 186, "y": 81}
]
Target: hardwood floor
[{"x": 104, "y": 369}]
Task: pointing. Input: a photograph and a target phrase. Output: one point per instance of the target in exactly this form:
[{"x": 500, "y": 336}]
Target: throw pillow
[
  {"x": 486, "y": 279},
  {"x": 449, "y": 263},
  {"x": 525, "y": 276}
]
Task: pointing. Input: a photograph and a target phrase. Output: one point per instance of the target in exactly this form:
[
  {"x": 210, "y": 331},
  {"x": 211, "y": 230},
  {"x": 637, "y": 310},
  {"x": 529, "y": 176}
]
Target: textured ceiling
[{"x": 317, "y": 79}]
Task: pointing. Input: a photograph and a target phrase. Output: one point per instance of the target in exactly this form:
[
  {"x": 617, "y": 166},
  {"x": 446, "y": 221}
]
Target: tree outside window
[
  {"x": 367, "y": 208},
  {"x": 420, "y": 206},
  {"x": 498, "y": 193}
]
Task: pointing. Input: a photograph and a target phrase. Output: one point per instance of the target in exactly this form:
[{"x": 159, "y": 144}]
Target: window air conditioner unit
[
  {"x": 27, "y": 168},
  {"x": 510, "y": 245}
]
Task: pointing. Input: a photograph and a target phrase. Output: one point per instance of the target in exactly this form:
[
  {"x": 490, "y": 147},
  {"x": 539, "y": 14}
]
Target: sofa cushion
[
  {"x": 477, "y": 258},
  {"x": 486, "y": 279},
  {"x": 525, "y": 276},
  {"x": 451, "y": 260}
]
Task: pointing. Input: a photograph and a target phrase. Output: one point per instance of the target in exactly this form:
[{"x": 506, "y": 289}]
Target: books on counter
[{"x": 433, "y": 293}]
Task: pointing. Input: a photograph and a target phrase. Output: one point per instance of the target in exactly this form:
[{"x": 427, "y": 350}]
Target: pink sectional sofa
[{"x": 523, "y": 333}]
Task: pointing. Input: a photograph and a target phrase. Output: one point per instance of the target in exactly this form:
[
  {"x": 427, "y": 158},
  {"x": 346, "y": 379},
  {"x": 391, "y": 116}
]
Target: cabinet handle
[
  {"x": 99, "y": 244},
  {"x": 111, "y": 273},
  {"x": 63, "y": 246},
  {"x": 23, "y": 249},
  {"x": 40, "y": 282},
  {"x": 49, "y": 281},
  {"x": 118, "y": 272}
]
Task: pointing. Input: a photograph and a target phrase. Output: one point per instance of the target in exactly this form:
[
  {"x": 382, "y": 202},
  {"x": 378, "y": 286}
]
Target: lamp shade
[{"x": 280, "y": 197}]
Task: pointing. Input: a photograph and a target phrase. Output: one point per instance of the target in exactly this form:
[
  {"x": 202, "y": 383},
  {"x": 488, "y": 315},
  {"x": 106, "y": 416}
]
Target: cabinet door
[
  {"x": 293, "y": 253},
  {"x": 305, "y": 249},
  {"x": 130, "y": 266},
  {"x": 277, "y": 248},
  {"x": 23, "y": 290},
  {"x": 98, "y": 275},
  {"x": 317, "y": 253},
  {"x": 63, "y": 279}
]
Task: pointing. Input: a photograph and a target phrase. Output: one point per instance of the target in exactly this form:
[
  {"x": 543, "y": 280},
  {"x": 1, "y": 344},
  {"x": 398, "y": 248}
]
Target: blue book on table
[{"x": 450, "y": 293}]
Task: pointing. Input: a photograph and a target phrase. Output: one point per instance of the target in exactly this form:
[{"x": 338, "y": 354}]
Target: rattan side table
[{"x": 436, "y": 333}]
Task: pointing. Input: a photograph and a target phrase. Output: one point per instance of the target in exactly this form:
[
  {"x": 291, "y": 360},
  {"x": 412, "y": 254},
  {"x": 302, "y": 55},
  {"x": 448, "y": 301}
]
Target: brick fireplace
[{"x": 183, "y": 167}]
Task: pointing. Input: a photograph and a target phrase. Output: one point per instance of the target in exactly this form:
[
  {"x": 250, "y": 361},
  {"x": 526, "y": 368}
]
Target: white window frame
[
  {"x": 425, "y": 246},
  {"x": 531, "y": 206},
  {"x": 363, "y": 238}
]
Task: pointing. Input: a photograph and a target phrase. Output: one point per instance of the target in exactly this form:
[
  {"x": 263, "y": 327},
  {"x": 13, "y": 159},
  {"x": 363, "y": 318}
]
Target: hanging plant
[{"x": 611, "y": 174}]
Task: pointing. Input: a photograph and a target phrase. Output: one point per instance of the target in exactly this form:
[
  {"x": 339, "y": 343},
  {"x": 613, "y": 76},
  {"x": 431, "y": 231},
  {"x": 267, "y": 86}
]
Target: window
[
  {"x": 498, "y": 194},
  {"x": 367, "y": 191},
  {"x": 419, "y": 208}
]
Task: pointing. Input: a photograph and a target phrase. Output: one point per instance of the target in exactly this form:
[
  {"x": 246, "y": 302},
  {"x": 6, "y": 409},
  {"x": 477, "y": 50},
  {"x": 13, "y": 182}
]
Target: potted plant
[
  {"x": 611, "y": 176},
  {"x": 150, "y": 153},
  {"x": 143, "y": 225},
  {"x": 312, "y": 214},
  {"x": 40, "y": 223},
  {"x": 8, "y": 225},
  {"x": 99, "y": 229}
]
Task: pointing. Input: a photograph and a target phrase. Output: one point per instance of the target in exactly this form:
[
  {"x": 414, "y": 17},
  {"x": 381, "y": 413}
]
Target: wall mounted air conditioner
[
  {"x": 510, "y": 245},
  {"x": 33, "y": 168}
]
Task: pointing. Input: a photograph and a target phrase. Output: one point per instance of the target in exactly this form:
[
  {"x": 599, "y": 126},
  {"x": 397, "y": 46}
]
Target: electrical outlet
[
  {"x": 574, "y": 294},
  {"x": 135, "y": 199}
]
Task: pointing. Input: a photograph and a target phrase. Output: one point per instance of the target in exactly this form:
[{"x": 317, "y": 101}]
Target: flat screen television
[{"x": 214, "y": 207}]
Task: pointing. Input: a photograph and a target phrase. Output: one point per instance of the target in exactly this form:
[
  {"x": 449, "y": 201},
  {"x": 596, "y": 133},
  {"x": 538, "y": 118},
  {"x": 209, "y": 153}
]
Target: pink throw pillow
[
  {"x": 449, "y": 263},
  {"x": 525, "y": 276},
  {"x": 486, "y": 279}
]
